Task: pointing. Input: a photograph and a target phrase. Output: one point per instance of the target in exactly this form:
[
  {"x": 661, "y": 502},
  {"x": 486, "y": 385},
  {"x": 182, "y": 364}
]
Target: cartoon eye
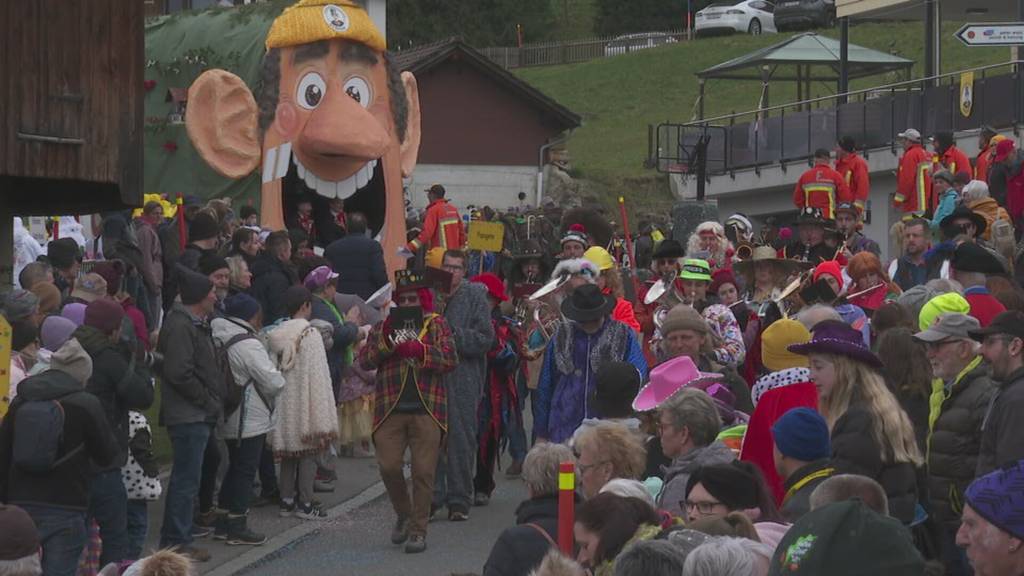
[
  {"x": 357, "y": 89},
  {"x": 311, "y": 91}
]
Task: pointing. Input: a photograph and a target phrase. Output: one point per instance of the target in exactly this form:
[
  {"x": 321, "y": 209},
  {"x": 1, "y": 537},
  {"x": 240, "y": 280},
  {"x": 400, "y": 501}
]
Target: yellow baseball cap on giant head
[{"x": 309, "y": 21}]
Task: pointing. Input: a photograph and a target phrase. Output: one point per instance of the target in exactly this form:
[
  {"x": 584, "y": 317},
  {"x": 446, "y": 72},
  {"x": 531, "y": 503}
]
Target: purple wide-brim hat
[
  {"x": 668, "y": 378},
  {"x": 835, "y": 337}
]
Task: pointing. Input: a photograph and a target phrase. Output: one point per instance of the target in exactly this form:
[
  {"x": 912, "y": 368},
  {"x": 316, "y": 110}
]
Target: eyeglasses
[{"x": 704, "y": 508}]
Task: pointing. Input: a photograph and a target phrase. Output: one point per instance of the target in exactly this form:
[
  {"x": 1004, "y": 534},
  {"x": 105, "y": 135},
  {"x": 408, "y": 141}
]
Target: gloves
[{"x": 411, "y": 349}]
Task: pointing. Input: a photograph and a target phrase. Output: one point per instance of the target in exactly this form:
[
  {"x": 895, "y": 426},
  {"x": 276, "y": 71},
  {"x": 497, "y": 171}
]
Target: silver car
[{"x": 750, "y": 16}]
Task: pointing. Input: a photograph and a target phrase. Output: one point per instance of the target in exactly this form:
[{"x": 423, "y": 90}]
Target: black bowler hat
[
  {"x": 587, "y": 304},
  {"x": 669, "y": 248}
]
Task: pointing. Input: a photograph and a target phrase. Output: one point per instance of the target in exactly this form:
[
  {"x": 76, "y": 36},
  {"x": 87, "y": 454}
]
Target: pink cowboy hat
[{"x": 668, "y": 378}]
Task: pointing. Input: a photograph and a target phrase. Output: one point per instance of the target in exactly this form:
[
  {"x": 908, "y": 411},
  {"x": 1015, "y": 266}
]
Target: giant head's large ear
[
  {"x": 410, "y": 148},
  {"x": 222, "y": 122}
]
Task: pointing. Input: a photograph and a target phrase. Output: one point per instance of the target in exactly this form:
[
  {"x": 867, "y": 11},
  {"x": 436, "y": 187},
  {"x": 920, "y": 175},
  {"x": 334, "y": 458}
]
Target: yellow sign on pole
[
  {"x": 966, "y": 93},
  {"x": 5, "y": 365},
  {"x": 486, "y": 236}
]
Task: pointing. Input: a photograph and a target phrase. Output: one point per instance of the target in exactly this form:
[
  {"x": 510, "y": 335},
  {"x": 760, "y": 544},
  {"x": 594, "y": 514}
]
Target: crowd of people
[{"x": 732, "y": 406}]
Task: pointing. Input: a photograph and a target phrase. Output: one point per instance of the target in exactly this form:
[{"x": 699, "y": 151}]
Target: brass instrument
[
  {"x": 744, "y": 251},
  {"x": 667, "y": 295}
]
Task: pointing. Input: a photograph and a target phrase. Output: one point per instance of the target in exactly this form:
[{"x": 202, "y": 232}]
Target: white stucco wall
[{"x": 494, "y": 186}]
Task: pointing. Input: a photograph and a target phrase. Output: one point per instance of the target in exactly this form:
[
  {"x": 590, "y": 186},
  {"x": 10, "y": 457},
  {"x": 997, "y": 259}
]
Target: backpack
[
  {"x": 234, "y": 392},
  {"x": 39, "y": 437}
]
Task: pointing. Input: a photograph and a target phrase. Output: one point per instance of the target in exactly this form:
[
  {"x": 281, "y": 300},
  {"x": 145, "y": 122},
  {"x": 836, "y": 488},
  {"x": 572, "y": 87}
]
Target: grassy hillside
[{"x": 618, "y": 97}]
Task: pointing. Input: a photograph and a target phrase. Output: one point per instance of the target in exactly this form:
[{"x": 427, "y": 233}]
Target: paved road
[{"x": 356, "y": 542}]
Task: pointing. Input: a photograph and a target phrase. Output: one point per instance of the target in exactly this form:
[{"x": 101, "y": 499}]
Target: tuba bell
[
  {"x": 665, "y": 293},
  {"x": 744, "y": 251}
]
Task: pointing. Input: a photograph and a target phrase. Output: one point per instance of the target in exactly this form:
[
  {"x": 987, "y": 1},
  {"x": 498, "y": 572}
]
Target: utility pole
[{"x": 844, "y": 58}]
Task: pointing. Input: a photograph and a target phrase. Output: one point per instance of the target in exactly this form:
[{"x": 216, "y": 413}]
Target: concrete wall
[
  {"x": 770, "y": 192},
  {"x": 494, "y": 186}
]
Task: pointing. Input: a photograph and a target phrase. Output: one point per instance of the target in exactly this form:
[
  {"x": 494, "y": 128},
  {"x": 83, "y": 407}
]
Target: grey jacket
[
  {"x": 250, "y": 362},
  {"x": 678, "y": 473},
  {"x": 469, "y": 316},
  {"x": 192, "y": 388}
]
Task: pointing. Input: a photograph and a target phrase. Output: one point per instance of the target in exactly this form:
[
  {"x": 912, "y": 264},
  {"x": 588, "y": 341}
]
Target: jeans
[
  {"x": 108, "y": 505},
  {"x": 422, "y": 437},
  {"x": 243, "y": 461},
  {"x": 62, "y": 535},
  {"x": 268, "y": 474},
  {"x": 138, "y": 526},
  {"x": 208, "y": 477},
  {"x": 188, "y": 443}
]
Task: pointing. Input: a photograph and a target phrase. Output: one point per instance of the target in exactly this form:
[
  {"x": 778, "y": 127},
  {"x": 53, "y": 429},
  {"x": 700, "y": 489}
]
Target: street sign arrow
[{"x": 992, "y": 34}]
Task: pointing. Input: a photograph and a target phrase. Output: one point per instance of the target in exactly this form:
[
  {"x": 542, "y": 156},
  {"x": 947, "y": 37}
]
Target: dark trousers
[
  {"x": 138, "y": 525},
  {"x": 268, "y": 474},
  {"x": 188, "y": 443},
  {"x": 243, "y": 462},
  {"x": 62, "y": 535},
  {"x": 487, "y": 455},
  {"x": 108, "y": 505},
  {"x": 517, "y": 444},
  {"x": 208, "y": 481}
]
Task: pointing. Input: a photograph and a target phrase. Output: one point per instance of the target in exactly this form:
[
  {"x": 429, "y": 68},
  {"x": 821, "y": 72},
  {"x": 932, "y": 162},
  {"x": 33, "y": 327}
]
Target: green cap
[{"x": 695, "y": 269}]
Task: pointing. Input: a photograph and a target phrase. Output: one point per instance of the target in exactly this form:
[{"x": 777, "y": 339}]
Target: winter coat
[
  {"x": 359, "y": 261},
  {"x": 151, "y": 264},
  {"x": 955, "y": 439},
  {"x": 521, "y": 548},
  {"x": 140, "y": 473},
  {"x": 855, "y": 451},
  {"x": 192, "y": 389},
  {"x": 344, "y": 336},
  {"x": 678, "y": 474},
  {"x": 1003, "y": 427},
  {"x": 67, "y": 486},
  {"x": 307, "y": 420},
  {"x": 468, "y": 314},
  {"x": 991, "y": 211},
  {"x": 252, "y": 367},
  {"x": 270, "y": 279},
  {"x": 777, "y": 393},
  {"x": 798, "y": 487},
  {"x": 120, "y": 383}
]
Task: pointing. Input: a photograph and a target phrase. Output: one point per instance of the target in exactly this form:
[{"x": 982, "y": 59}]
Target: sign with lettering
[
  {"x": 994, "y": 34},
  {"x": 486, "y": 236}
]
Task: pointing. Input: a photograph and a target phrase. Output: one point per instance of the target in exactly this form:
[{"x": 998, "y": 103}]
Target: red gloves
[{"x": 411, "y": 349}]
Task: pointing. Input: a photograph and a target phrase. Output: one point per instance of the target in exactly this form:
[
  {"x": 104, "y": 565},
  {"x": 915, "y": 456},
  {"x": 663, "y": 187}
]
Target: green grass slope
[{"x": 618, "y": 97}]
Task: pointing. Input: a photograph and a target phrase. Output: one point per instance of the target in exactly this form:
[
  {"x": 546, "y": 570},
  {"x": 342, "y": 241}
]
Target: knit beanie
[
  {"x": 683, "y": 317},
  {"x": 112, "y": 271},
  {"x": 721, "y": 277},
  {"x": 733, "y": 484},
  {"x": 203, "y": 227},
  {"x": 862, "y": 264},
  {"x": 18, "y": 535},
  {"x": 20, "y": 304},
  {"x": 830, "y": 267},
  {"x": 72, "y": 359},
  {"x": 63, "y": 252},
  {"x": 74, "y": 312},
  {"x": 210, "y": 263},
  {"x": 999, "y": 498},
  {"x": 241, "y": 306},
  {"x": 576, "y": 233},
  {"x": 104, "y": 315},
  {"x": 55, "y": 331},
  {"x": 192, "y": 286},
  {"x": 948, "y": 302},
  {"x": 775, "y": 341},
  {"x": 915, "y": 298},
  {"x": 802, "y": 434},
  {"x": 49, "y": 297}
]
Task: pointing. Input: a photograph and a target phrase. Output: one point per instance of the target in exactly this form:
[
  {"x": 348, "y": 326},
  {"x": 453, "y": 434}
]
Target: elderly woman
[
  {"x": 975, "y": 196},
  {"x": 521, "y": 548},
  {"x": 241, "y": 277},
  {"x": 606, "y": 451},
  {"x": 709, "y": 239}
]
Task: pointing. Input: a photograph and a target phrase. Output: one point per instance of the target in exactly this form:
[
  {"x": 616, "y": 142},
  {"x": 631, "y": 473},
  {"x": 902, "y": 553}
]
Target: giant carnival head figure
[{"x": 333, "y": 119}]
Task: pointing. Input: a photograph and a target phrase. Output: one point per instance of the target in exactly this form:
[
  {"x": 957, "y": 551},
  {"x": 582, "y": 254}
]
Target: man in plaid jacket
[{"x": 410, "y": 404}]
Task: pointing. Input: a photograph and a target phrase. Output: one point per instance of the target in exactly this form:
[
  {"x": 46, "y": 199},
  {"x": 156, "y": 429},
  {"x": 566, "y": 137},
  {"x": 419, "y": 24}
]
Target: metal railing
[
  {"x": 572, "y": 51},
  {"x": 791, "y": 132}
]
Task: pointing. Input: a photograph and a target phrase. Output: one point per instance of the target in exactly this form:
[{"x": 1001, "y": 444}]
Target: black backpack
[
  {"x": 233, "y": 391},
  {"x": 39, "y": 437}
]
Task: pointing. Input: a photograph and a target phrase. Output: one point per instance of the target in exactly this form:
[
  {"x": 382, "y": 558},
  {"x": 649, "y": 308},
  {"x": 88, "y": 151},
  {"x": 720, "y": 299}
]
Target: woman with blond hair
[
  {"x": 871, "y": 434},
  {"x": 606, "y": 451}
]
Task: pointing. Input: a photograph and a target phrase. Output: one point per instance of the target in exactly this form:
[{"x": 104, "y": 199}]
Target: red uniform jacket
[
  {"x": 854, "y": 171},
  {"x": 914, "y": 181},
  {"x": 442, "y": 227},
  {"x": 821, "y": 187},
  {"x": 981, "y": 164},
  {"x": 954, "y": 160}
]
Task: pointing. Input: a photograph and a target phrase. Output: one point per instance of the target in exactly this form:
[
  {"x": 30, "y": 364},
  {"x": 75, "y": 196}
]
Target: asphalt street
[{"x": 356, "y": 542}]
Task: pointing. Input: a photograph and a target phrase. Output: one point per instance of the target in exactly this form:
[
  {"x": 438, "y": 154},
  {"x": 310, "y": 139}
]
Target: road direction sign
[{"x": 992, "y": 34}]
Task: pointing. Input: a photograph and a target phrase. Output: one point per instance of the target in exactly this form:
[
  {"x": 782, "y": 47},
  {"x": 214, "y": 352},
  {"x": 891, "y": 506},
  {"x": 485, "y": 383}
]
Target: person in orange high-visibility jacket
[
  {"x": 984, "y": 158},
  {"x": 821, "y": 187},
  {"x": 854, "y": 171},
  {"x": 948, "y": 155},
  {"x": 442, "y": 225},
  {"x": 914, "y": 178}
]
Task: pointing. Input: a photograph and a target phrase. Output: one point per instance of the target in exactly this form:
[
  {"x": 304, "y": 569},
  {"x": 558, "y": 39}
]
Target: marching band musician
[
  {"x": 610, "y": 283},
  {"x": 709, "y": 240},
  {"x": 665, "y": 263},
  {"x": 848, "y": 224},
  {"x": 764, "y": 274},
  {"x": 696, "y": 277},
  {"x": 810, "y": 245}
]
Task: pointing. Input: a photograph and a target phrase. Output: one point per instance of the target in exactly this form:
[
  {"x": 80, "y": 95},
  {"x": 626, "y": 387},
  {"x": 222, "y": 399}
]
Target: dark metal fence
[
  {"x": 575, "y": 51},
  {"x": 873, "y": 117}
]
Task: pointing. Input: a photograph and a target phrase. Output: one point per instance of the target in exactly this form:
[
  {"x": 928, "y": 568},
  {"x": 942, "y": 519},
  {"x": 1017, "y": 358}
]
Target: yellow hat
[
  {"x": 775, "y": 341},
  {"x": 169, "y": 209},
  {"x": 434, "y": 257},
  {"x": 310, "y": 21},
  {"x": 600, "y": 257}
]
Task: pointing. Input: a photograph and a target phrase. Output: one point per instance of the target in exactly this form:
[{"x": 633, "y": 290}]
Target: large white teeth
[{"x": 343, "y": 189}]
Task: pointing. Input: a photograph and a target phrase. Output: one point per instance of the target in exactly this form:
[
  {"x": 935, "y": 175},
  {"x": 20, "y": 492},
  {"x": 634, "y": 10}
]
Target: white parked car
[
  {"x": 751, "y": 16},
  {"x": 634, "y": 42}
]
